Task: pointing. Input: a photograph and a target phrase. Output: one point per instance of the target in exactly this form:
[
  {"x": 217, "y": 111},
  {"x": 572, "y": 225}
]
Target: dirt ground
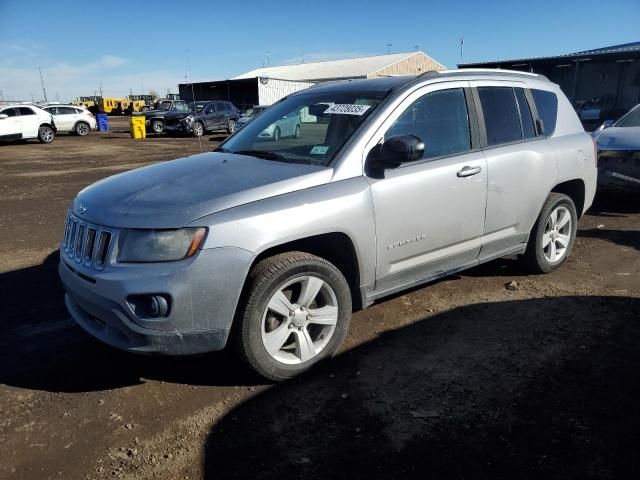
[{"x": 463, "y": 378}]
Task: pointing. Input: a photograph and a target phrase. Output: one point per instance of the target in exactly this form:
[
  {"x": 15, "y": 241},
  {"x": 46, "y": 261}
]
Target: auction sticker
[
  {"x": 347, "y": 109},
  {"x": 319, "y": 149}
]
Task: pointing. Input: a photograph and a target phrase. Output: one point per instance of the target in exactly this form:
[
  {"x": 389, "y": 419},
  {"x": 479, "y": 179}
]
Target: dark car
[
  {"x": 202, "y": 117},
  {"x": 155, "y": 118},
  {"x": 619, "y": 152}
]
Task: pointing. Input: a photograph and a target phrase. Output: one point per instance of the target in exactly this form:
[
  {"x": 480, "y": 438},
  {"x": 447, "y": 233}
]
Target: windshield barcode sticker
[
  {"x": 347, "y": 109},
  {"x": 319, "y": 149}
]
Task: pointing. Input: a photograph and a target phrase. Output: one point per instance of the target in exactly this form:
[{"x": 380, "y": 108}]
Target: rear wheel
[
  {"x": 82, "y": 129},
  {"x": 553, "y": 235},
  {"x": 157, "y": 126},
  {"x": 198, "y": 129},
  {"x": 46, "y": 134},
  {"x": 296, "y": 312}
]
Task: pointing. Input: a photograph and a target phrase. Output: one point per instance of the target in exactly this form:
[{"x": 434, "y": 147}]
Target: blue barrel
[{"x": 103, "y": 122}]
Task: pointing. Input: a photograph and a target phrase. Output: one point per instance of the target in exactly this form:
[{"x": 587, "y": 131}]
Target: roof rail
[{"x": 463, "y": 72}]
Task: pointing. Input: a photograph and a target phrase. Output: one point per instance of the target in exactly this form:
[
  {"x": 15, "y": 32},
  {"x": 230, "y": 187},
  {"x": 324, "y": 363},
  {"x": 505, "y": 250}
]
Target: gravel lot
[{"x": 464, "y": 378}]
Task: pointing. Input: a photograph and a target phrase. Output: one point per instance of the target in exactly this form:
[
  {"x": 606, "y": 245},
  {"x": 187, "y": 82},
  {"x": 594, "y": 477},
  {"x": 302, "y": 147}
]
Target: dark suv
[
  {"x": 154, "y": 119},
  {"x": 202, "y": 117}
]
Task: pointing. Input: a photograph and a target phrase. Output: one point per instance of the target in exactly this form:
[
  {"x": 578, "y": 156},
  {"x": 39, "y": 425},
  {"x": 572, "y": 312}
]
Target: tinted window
[
  {"x": 500, "y": 115},
  {"x": 440, "y": 120},
  {"x": 10, "y": 112},
  {"x": 66, "y": 111},
  {"x": 26, "y": 111},
  {"x": 51, "y": 110},
  {"x": 547, "y": 105},
  {"x": 219, "y": 107},
  {"x": 525, "y": 114}
]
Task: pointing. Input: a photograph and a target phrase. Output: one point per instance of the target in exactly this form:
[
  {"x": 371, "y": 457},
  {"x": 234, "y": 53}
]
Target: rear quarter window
[{"x": 547, "y": 106}]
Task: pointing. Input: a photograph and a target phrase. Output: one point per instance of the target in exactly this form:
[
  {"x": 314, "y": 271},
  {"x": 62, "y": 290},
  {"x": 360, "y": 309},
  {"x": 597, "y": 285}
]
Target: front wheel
[
  {"x": 296, "y": 312},
  {"x": 198, "y": 129},
  {"x": 157, "y": 126},
  {"x": 296, "y": 134},
  {"x": 231, "y": 127},
  {"x": 276, "y": 134},
  {"x": 553, "y": 235},
  {"x": 46, "y": 134}
]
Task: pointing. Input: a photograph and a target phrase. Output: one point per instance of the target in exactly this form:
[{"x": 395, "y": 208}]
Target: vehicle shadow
[
  {"x": 539, "y": 388},
  {"x": 41, "y": 348},
  {"x": 615, "y": 204}
]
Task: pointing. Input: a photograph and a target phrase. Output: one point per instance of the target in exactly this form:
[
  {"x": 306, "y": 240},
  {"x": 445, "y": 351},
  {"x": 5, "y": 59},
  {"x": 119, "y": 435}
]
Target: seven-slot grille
[{"x": 86, "y": 243}]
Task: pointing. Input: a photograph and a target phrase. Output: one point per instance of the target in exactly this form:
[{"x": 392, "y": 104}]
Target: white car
[
  {"x": 72, "y": 118},
  {"x": 21, "y": 122}
]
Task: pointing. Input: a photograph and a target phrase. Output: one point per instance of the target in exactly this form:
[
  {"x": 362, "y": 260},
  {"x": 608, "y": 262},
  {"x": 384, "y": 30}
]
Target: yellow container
[{"x": 138, "y": 129}]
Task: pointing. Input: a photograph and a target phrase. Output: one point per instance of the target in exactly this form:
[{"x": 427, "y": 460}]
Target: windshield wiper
[{"x": 261, "y": 154}]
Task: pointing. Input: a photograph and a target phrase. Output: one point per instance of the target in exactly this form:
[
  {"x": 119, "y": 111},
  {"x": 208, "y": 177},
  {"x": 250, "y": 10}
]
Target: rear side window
[
  {"x": 501, "y": 118},
  {"x": 440, "y": 120},
  {"x": 66, "y": 111},
  {"x": 525, "y": 114},
  {"x": 26, "y": 111},
  {"x": 547, "y": 105}
]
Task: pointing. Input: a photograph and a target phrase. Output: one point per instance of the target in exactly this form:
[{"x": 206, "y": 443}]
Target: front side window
[
  {"x": 547, "y": 105},
  {"x": 51, "y": 110},
  {"x": 440, "y": 119},
  {"x": 9, "y": 112},
  {"x": 501, "y": 119},
  {"x": 308, "y": 128},
  {"x": 26, "y": 111}
]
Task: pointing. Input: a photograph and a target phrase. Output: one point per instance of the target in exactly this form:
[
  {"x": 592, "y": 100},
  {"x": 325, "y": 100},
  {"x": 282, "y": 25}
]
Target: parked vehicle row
[
  {"x": 271, "y": 243},
  {"x": 24, "y": 122}
]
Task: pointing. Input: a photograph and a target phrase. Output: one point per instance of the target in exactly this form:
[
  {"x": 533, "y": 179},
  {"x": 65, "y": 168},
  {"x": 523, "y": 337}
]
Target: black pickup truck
[{"x": 202, "y": 117}]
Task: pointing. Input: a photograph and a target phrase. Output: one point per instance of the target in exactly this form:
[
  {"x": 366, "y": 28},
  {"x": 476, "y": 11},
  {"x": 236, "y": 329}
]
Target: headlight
[
  {"x": 138, "y": 246},
  {"x": 188, "y": 118}
]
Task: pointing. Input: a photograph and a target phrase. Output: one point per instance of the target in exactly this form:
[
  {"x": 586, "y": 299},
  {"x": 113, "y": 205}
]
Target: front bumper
[
  {"x": 619, "y": 170},
  {"x": 180, "y": 128},
  {"x": 203, "y": 293}
]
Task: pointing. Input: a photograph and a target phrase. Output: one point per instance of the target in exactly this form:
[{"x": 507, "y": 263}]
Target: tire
[
  {"x": 82, "y": 129},
  {"x": 231, "y": 127},
  {"x": 198, "y": 129},
  {"x": 274, "y": 299},
  {"x": 46, "y": 134},
  {"x": 276, "y": 134},
  {"x": 297, "y": 132},
  {"x": 553, "y": 234},
  {"x": 157, "y": 126}
]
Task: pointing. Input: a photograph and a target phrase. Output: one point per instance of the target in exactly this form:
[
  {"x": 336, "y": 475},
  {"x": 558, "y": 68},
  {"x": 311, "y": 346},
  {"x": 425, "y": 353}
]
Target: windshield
[
  {"x": 305, "y": 128},
  {"x": 164, "y": 106},
  {"x": 631, "y": 119}
]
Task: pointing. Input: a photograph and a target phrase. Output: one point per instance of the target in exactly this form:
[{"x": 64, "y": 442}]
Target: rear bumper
[{"x": 203, "y": 297}]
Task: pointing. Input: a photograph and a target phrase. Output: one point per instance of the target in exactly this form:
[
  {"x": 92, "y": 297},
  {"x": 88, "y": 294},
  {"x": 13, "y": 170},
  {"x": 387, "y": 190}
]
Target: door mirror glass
[
  {"x": 3, "y": 116},
  {"x": 607, "y": 124}
]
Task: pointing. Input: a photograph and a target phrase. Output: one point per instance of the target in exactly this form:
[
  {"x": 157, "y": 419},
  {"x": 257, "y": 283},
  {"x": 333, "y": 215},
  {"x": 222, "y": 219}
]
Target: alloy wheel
[
  {"x": 557, "y": 234},
  {"x": 299, "y": 320}
]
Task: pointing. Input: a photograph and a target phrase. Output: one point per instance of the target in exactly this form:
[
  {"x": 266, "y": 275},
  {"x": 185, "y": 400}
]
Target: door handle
[{"x": 469, "y": 171}]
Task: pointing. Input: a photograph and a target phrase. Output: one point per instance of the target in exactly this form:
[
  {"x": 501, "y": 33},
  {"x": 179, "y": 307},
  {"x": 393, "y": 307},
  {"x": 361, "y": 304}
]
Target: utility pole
[
  {"x": 44, "y": 91},
  {"x": 101, "y": 89},
  {"x": 417, "y": 47},
  {"x": 461, "y": 49},
  {"x": 268, "y": 58},
  {"x": 1, "y": 96},
  {"x": 389, "y": 45}
]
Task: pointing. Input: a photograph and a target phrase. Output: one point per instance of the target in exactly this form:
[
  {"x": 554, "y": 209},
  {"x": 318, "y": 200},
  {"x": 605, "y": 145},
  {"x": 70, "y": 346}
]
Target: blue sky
[{"x": 140, "y": 45}]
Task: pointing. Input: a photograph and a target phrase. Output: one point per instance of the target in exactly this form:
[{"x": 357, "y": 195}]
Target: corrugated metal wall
[
  {"x": 271, "y": 90},
  {"x": 413, "y": 65}
]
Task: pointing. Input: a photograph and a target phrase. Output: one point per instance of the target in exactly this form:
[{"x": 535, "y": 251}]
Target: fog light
[{"x": 149, "y": 306}]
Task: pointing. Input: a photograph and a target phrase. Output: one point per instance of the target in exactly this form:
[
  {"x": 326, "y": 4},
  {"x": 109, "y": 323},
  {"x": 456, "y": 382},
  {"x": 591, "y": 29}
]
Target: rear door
[
  {"x": 521, "y": 163},
  {"x": 66, "y": 118},
  {"x": 10, "y": 127}
]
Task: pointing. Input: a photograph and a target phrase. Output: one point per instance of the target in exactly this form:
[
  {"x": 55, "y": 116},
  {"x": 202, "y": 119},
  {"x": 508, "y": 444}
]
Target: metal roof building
[
  {"x": 603, "y": 83},
  {"x": 409, "y": 63}
]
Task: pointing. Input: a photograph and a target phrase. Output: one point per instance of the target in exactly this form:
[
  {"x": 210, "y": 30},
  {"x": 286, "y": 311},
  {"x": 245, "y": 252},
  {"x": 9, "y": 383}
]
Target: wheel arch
[
  {"x": 574, "y": 189},
  {"x": 335, "y": 247}
]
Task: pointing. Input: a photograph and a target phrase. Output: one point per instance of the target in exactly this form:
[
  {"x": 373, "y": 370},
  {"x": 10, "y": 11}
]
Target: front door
[
  {"x": 10, "y": 127},
  {"x": 429, "y": 214}
]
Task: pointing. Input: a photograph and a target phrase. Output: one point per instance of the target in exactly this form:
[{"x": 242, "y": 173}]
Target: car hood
[
  {"x": 151, "y": 113},
  {"x": 175, "y": 193},
  {"x": 619, "y": 138},
  {"x": 181, "y": 114},
  {"x": 244, "y": 120}
]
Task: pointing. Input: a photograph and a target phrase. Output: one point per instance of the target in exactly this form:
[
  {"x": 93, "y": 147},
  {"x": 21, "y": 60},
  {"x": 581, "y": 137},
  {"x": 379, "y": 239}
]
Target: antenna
[
  {"x": 461, "y": 49},
  {"x": 389, "y": 45},
  {"x": 417, "y": 47},
  {"x": 268, "y": 58},
  {"x": 44, "y": 91},
  {"x": 193, "y": 95}
]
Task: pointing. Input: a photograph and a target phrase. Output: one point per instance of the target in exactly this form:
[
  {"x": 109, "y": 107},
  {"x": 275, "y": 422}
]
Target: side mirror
[
  {"x": 399, "y": 149},
  {"x": 605, "y": 124},
  {"x": 3, "y": 116}
]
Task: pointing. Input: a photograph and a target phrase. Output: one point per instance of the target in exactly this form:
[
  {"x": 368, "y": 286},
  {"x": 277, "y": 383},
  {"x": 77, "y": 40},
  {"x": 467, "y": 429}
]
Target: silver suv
[{"x": 271, "y": 243}]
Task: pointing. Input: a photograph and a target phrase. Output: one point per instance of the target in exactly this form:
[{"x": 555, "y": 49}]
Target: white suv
[
  {"x": 73, "y": 119},
  {"x": 21, "y": 122}
]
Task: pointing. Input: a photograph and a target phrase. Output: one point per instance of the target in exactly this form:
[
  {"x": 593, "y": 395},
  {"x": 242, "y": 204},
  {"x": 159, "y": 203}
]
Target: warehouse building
[
  {"x": 264, "y": 86},
  {"x": 602, "y": 84}
]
